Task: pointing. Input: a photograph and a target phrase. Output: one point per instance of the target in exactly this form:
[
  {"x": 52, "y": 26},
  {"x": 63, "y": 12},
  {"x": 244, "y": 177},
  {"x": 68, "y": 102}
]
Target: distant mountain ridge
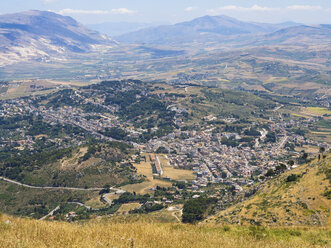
[
  {"x": 119, "y": 28},
  {"x": 201, "y": 29},
  {"x": 302, "y": 34},
  {"x": 41, "y": 34}
]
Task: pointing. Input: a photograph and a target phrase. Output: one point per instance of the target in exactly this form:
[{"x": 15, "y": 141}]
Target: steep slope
[
  {"x": 41, "y": 34},
  {"x": 206, "y": 28},
  {"x": 303, "y": 199}
]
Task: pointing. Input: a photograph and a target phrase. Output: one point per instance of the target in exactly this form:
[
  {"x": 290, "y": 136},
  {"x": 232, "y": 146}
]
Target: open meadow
[{"x": 18, "y": 232}]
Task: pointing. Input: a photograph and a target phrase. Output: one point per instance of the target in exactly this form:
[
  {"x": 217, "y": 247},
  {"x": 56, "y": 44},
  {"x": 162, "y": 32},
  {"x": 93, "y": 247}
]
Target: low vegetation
[
  {"x": 16, "y": 232},
  {"x": 297, "y": 197}
]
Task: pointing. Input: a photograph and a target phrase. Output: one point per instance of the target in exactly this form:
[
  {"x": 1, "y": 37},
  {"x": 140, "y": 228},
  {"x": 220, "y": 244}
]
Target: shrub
[{"x": 292, "y": 178}]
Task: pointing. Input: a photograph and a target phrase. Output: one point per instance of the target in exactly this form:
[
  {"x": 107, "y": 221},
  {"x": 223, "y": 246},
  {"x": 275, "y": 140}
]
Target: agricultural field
[
  {"x": 22, "y": 88},
  {"x": 145, "y": 169},
  {"x": 172, "y": 173},
  {"x": 290, "y": 71},
  {"x": 319, "y": 130},
  {"x": 317, "y": 111}
]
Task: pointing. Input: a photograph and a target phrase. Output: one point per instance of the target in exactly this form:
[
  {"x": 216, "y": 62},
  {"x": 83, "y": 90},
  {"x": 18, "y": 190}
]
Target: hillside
[
  {"x": 303, "y": 199},
  {"x": 16, "y": 232},
  {"x": 119, "y": 28},
  {"x": 319, "y": 34},
  {"x": 202, "y": 29},
  {"x": 41, "y": 34}
]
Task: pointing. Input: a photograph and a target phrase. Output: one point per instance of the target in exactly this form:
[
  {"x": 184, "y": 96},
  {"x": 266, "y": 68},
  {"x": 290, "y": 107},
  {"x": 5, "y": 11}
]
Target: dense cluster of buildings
[{"x": 201, "y": 150}]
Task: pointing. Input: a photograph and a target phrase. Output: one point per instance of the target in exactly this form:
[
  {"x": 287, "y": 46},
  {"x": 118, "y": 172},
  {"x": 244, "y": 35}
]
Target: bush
[
  {"x": 270, "y": 173},
  {"x": 292, "y": 178},
  {"x": 196, "y": 209}
]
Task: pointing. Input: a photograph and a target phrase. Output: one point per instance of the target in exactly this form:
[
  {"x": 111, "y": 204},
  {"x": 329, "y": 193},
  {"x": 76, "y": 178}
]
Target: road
[
  {"x": 83, "y": 205},
  {"x": 281, "y": 144},
  {"x": 50, "y": 213},
  {"x": 174, "y": 211},
  {"x": 48, "y": 187},
  {"x": 117, "y": 192},
  {"x": 105, "y": 197},
  {"x": 278, "y": 107}
]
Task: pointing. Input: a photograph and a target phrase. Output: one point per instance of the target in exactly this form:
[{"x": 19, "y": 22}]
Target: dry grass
[
  {"x": 282, "y": 203},
  {"x": 174, "y": 174},
  {"x": 128, "y": 206},
  {"x": 144, "y": 187},
  {"x": 308, "y": 148},
  {"x": 145, "y": 168},
  {"x": 103, "y": 233},
  {"x": 95, "y": 202}
]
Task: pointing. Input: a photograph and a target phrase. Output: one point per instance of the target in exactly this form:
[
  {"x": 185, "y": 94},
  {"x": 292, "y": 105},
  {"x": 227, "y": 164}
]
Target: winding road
[
  {"x": 48, "y": 187},
  {"x": 50, "y": 213}
]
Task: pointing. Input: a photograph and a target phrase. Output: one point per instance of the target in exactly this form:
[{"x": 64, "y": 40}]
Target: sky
[{"x": 173, "y": 11}]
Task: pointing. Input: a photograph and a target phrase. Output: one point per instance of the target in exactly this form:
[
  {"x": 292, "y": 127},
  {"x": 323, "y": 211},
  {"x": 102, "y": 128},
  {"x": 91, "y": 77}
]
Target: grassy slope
[
  {"x": 287, "y": 203},
  {"x": 17, "y": 232},
  {"x": 17, "y": 200}
]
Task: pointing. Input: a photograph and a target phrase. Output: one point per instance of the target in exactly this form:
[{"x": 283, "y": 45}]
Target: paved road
[
  {"x": 50, "y": 213},
  {"x": 83, "y": 205},
  {"x": 117, "y": 192},
  {"x": 281, "y": 144},
  {"x": 105, "y": 197},
  {"x": 278, "y": 107},
  {"x": 48, "y": 187}
]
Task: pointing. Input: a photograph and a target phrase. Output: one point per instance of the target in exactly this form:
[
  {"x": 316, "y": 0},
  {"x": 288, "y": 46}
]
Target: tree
[
  {"x": 195, "y": 210},
  {"x": 281, "y": 167},
  {"x": 305, "y": 156},
  {"x": 270, "y": 173},
  {"x": 292, "y": 178},
  {"x": 290, "y": 163},
  {"x": 161, "y": 149},
  {"x": 322, "y": 149}
]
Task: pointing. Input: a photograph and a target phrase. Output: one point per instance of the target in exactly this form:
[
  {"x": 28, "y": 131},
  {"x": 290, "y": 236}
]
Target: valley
[
  {"x": 208, "y": 132},
  {"x": 159, "y": 143}
]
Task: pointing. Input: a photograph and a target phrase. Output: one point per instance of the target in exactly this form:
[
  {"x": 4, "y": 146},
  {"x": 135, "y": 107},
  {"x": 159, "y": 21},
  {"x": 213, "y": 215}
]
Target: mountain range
[
  {"x": 35, "y": 34},
  {"x": 120, "y": 28},
  {"x": 41, "y": 35},
  {"x": 206, "y": 28}
]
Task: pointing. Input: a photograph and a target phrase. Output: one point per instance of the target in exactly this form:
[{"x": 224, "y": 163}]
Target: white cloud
[
  {"x": 304, "y": 7},
  {"x": 95, "y": 12},
  {"x": 49, "y": 1},
  {"x": 122, "y": 11},
  {"x": 239, "y": 8},
  {"x": 191, "y": 8},
  {"x": 257, "y": 8}
]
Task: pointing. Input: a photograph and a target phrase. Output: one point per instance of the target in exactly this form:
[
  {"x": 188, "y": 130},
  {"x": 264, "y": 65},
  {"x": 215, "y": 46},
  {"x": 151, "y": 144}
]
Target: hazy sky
[{"x": 97, "y": 11}]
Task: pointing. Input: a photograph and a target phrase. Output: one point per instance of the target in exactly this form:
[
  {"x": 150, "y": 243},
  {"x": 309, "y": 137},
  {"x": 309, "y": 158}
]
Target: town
[{"x": 216, "y": 155}]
